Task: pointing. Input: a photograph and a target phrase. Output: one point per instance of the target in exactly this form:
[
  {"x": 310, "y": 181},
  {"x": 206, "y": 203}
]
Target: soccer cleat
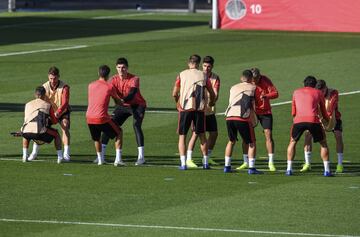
[
  {"x": 140, "y": 162},
  {"x": 96, "y": 161},
  {"x": 243, "y": 166},
  {"x": 24, "y": 159},
  {"x": 59, "y": 160},
  {"x": 206, "y": 167},
  {"x": 119, "y": 163},
  {"x": 227, "y": 169},
  {"x": 66, "y": 157},
  {"x": 289, "y": 173},
  {"x": 305, "y": 168},
  {"x": 32, "y": 157},
  {"x": 212, "y": 162},
  {"x": 327, "y": 174},
  {"x": 254, "y": 171},
  {"x": 191, "y": 164},
  {"x": 339, "y": 169},
  {"x": 272, "y": 167},
  {"x": 183, "y": 167}
]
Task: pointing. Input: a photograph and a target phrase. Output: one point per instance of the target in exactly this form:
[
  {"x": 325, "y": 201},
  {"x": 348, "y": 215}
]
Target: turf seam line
[
  {"x": 170, "y": 227},
  {"x": 43, "y": 50}
]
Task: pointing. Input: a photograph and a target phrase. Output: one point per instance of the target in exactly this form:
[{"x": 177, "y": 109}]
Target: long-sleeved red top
[
  {"x": 306, "y": 103},
  {"x": 265, "y": 89},
  {"x": 53, "y": 119},
  {"x": 64, "y": 101},
  {"x": 332, "y": 96}
]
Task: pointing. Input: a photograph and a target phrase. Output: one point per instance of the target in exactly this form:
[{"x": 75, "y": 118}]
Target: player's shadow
[{"x": 28, "y": 29}]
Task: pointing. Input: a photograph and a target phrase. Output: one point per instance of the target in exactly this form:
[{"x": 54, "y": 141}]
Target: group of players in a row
[{"x": 314, "y": 109}]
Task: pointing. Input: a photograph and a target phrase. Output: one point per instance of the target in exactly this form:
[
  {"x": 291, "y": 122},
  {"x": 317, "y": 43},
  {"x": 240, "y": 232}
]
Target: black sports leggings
[{"x": 120, "y": 115}]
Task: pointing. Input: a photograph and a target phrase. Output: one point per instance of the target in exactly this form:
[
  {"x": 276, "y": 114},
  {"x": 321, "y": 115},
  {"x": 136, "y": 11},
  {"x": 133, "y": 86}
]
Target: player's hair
[
  {"x": 40, "y": 91},
  {"x": 104, "y": 71},
  {"x": 255, "y": 71},
  {"x": 208, "y": 59},
  {"x": 54, "y": 71},
  {"x": 310, "y": 81},
  {"x": 247, "y": 74},
  {"x": 320, "y": 84},
  {"x": 122, "y": 61},
  {"x": 195, "y": 59}
]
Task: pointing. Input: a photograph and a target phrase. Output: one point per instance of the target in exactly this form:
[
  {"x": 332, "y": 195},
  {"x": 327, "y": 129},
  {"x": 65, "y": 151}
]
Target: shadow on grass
[{"x": 37, "y": 29}]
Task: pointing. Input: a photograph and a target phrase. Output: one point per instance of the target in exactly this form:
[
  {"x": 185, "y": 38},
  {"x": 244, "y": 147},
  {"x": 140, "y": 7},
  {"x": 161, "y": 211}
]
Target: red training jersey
[
  {"x": 264, "y": 88},
  {"x": 99, "y": 93},
  {"x": 123, "y": 87},
  {"x": 332, "y": 96},
  {"x": 306, "y": 103}
]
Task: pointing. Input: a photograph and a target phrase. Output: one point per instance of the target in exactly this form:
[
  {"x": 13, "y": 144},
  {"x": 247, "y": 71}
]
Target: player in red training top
[
  {"x": 97, "y": 117},
  {"x": 265, "y": 91},
  {"x": 127, "y": 86},
  {"x": 210, "y": 118},
  {"x": 189, "y": 95},
  {"x": 332, "y": 108},
  {"x": 306, "y": 103}
]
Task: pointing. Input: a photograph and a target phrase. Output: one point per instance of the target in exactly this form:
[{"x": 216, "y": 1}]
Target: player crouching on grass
[
  {"x": 238, "y": 119},
  {"x": 97, "y": 117},
  {"x": 306, "y": 103},
  {"x": 36, "y": 127},
  {"x": 335, "y": 126}
]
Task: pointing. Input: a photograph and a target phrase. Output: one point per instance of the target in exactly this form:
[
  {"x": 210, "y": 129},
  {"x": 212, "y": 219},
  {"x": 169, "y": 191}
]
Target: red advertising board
[{"x": 295, "y": 15}]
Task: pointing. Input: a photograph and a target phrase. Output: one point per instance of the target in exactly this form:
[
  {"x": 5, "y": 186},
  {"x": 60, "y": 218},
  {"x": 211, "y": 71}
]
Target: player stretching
[
  {"x": 36, "y": 127},
  {"x": 58, "y": 94},
  {"x": 97, "y": 117},
  {"x": 189, "y": 94},
  {"x": 133, "y": 104},
  {"x": 238, "y": 119},
  {"x": 306, "y": 103},
  {"x": 210, "y": 118},
  {"x": 265, "y": 91},
  {"x": 331, "y": 102}
]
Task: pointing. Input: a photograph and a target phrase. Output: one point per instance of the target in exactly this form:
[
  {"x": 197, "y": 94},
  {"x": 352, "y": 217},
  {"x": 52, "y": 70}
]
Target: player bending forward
[
  {"x": 306, "y": 102},
  {"x": 36, "y": 127},
  {"x": 97, "y": 117},
  {"x": 238, "y": 120}
]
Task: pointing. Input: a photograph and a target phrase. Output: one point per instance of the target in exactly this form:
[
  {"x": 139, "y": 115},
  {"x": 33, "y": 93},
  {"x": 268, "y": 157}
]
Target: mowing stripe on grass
[
  {"x": 170, "y": 227},
  {"x": 43, "y": 50}
]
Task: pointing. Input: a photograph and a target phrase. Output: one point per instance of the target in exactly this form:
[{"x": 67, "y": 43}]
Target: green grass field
[{"x": 81, "y": 199}]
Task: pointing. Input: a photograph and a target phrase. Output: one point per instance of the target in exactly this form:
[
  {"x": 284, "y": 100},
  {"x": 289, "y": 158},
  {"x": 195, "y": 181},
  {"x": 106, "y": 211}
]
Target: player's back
[
  {"x": 99, "y": 93},
  {"x": 306, "y": 105}
]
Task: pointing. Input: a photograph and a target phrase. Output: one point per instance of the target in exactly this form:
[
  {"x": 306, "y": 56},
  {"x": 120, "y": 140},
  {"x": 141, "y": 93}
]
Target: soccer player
[
  {"x": 58, "y": 94},
  {"x": 332, "y": 96},
  {"x": 127, "y": 86},
  {"x": 36, "y": 127},
  {"x": 189, "y": 95},
  {"x": 210, "y": 118},
  {"x": 97, "y": 117},
  {"x": 265, "y": 91},
  {"x": 306, "y": 103},
  {"x": 238, "y": 119}
]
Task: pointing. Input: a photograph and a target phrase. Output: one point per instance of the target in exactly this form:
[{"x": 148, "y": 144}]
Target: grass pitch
[{"x": 158, "y": 199}]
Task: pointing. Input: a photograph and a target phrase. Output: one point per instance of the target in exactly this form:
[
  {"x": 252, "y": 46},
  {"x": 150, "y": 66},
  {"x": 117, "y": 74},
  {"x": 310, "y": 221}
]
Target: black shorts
[
  {"x": 186, "y": 118},
  {"x": 122, "y": 113},
  {"x": 46, "y": 137},
  {"x": 109, "y": 128},
  {"x": 266, "y": 121},
  {"x": 245, "y": 130},
  {"x": 338, "y": 125},
  {"x": 211, "y": 124},
  {"x": 315, "y": 129}
]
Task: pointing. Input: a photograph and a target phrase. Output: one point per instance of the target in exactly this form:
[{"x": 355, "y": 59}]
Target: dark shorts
[
  {"x": 315, "y": 129},
  {"x": 122, "y": 113},
  {"x": 186, "y": 118},
  {"x": 338, "y": 125},
  {"x": 109, "y": 128},
  {"x": 211, "y": 124},
  {"x": 245, "y": 130},
  {"x": 266, "y": 121},
  {"x": 40, "y": 138}
]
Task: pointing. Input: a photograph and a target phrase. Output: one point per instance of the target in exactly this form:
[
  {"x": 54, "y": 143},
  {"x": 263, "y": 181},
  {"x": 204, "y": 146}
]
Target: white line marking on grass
[
  {"x": 43, "y": 50},
  {"x": 171, "y": 227},
  {"x": 19, "y": 159},
  {"x": 122, "y": 16}
]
